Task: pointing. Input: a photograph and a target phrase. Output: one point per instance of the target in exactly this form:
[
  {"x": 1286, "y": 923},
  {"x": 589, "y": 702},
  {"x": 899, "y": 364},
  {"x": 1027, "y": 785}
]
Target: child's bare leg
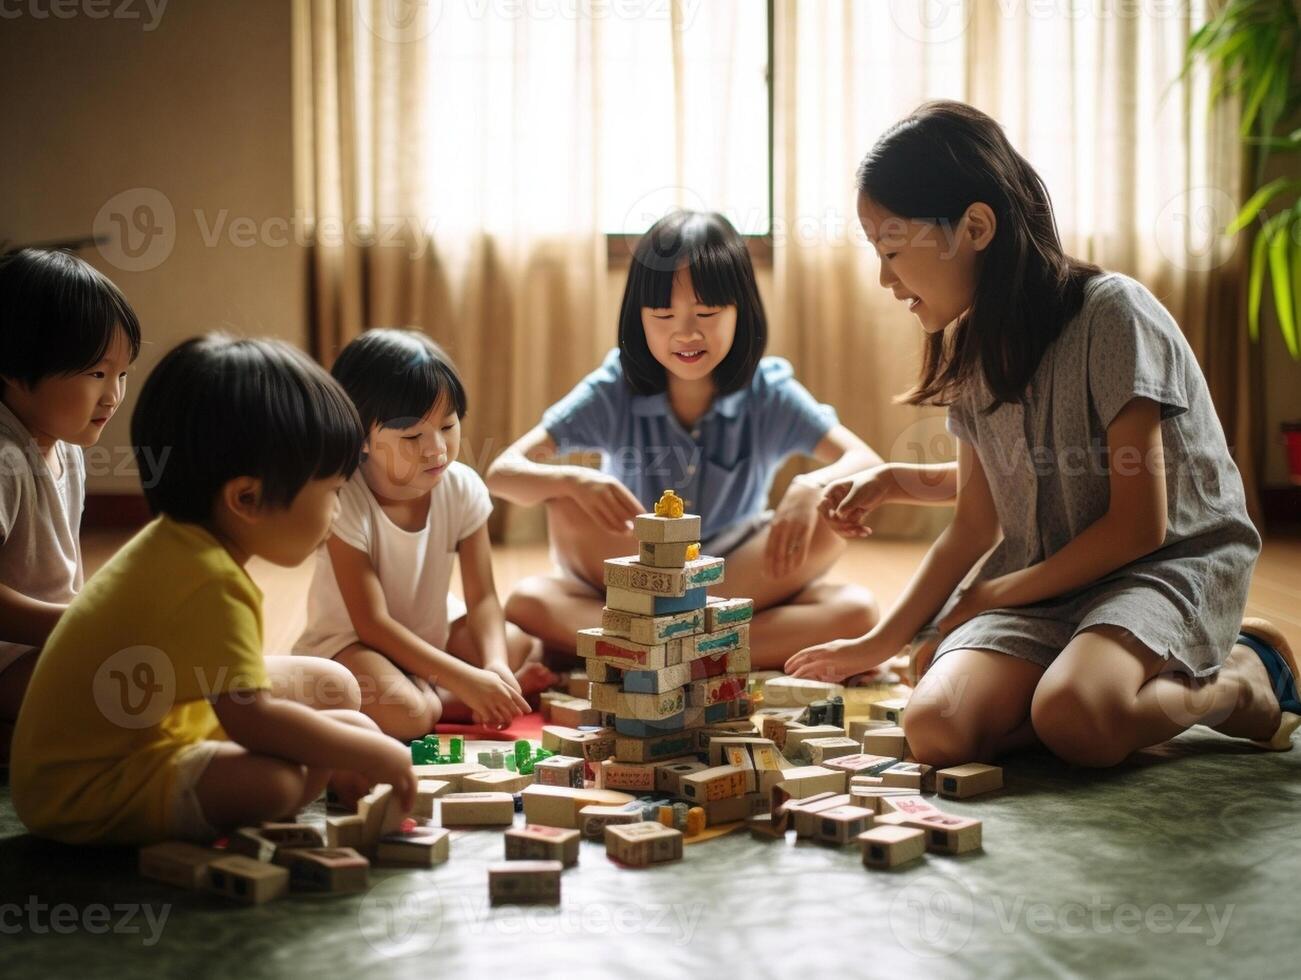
[
  {"x": 13, "y": 685},
  {"x": 972, "y": 705},
  {"x": 403, "y": 707},
  {"x": 523, "y": 654},
  {"x": 1108, "y": 695},
  {"x": 553, "y": 609},
  {"x": 796, "y": 610},
  {"x": 240, "y": 787},
  {"x": 314, "y": 681}
]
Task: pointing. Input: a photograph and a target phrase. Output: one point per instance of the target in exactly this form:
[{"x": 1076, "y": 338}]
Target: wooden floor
[{"x": 882, "y": 565}]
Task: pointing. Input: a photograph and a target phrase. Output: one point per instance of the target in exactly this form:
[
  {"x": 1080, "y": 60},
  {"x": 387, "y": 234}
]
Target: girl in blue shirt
[{"x": 688, "y": 402}]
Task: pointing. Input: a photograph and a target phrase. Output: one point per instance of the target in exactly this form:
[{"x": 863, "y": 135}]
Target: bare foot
[
  {"x": 534, "y": 676},
  {"x": 1256, "y": 712}
]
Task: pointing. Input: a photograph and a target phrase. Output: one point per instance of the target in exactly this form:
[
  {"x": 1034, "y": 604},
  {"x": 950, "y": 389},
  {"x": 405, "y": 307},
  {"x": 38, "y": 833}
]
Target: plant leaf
[
  {"x": 1280, "y": 274},
  {"x": 1256, "y": 203}
]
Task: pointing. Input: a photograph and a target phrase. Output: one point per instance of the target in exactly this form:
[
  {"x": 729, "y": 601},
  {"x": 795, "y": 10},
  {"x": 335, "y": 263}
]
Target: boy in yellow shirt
[{"x": 151, "y": 714}]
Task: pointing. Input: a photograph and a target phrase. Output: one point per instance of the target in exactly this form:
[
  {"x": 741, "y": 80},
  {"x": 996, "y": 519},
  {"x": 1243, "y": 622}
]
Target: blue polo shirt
[{"x": 722, "y": 468}]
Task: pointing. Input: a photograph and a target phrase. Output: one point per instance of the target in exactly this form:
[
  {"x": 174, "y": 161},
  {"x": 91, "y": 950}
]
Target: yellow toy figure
[
  {"x": 693, "y": 551},
  {"x": 669, "y": 505}
]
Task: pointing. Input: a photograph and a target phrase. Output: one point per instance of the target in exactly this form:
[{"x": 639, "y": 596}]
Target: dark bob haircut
[
  {"x": 216, "y": 408},
  {"x": 932, "y": 166},
  {"x": 721, "y": 273},
  {"x": 57, "y": 316},
  {"x": 396, "y": 377}
]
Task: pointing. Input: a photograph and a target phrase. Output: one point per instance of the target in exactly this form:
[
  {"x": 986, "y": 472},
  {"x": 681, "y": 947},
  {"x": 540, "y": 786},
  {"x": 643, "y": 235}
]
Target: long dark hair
[
  {"x": 932, "y": 166},
  {"x": 722, "y": 274}
]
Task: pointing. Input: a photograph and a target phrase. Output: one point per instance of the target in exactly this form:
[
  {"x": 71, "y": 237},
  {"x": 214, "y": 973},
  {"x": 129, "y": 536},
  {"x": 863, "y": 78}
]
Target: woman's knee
[
  {"x": 1075, "y": 727},
  {"x": 856, "y": 610},
  {"x": 530, "y": 601},
  {"x": 938, "y": 735},
  {"x": 409, "y": 716}
]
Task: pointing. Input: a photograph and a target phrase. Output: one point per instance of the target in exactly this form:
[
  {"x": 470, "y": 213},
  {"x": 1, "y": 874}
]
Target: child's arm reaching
[
  {"x": 267, "y": 725},
  {"x": 26, "y": 620},
  {"x": 1133, "y": 525},
  {"x": 797, "y": 514},
  {"x": 522, "y": 476},
  {"x": 974, "y": 530},
  {"x": 483, "y": 613},
  {"x": 486, "y": 694}
]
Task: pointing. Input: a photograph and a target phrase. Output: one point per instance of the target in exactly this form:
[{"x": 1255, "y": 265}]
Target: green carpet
[{"x": 1183, "y": 863}]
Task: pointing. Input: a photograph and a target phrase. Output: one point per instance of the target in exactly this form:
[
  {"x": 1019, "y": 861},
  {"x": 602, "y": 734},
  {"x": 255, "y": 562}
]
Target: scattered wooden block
[
  {"x": 428, "y": 790},
  {"x": 248, "y": 842},
  {"x": 804, "y": 816},
  {"x": 716, "y": 783},
  {"x": 805, "y": 781},
  {"x": 871, "y": 797},
  {"x": 292, "y": 835},
  {"x": 590, "y": 745},
  {"x": 793, "y": 745},
  {"x": 345, "y": 831},
  {"x": 524, "y": 882},
  {"x": 450, "y": 772},
  {"x": 790, "y": 692},
  {"x": 862, "y": 764},
  {"x": 972, "y": 779},
  {"x": 330, "y": 870},
  {"x": 733, "y": 808},
  {"x": 380, "y": 816},
  {"x": 947, "y": 834},
  {"x": 906, "y": 775},
  {"x": 886, "y": 741},
  {"x": 592, "y": 820},
  {"x": 841, "y": 824},
  {"x": 246, "y": 880},
  {"x": 859, "y": 727},
  {"x": 634, "y": 777},
  {"x": 477, "y": 810},
  {"x": 911, "y": 806},
  {"x": 668, "y": 774},
  {"x": 768, "y": 825},
  {"x": 576, "y": 684},
  {"x": 496, "y": 781},
  {"x": 423, "y": 847},
  {"x": 891, "y": 710},
  {"x": 537, "y": 842},
  {"x": 559, "y": 770},
  {"x": 558, "y": 806},
  {"x": 898, "y": 819},
  {"x": 574, "y": 713},
  {"x": 178, "y": 863},
  {"x": 890, "y": 846},
  {"x": 821, "y": 750},
  {"x": 640, "y": 844}
]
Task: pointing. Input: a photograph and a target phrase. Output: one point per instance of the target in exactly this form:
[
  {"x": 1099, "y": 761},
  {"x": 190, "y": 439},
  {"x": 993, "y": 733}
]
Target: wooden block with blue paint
[
  {"x": 722, "y": 613},
  {"x": 646, "y": 604},
  {"x": 656, "y": 681},
  {"x": 653, "y": 529},
  {"x": 630, "y": 574},
  {"x": 646, "y": 728},
  {"x": 652, "y": 748},
  {"x": 720, "y": 641},
  {"x": 627, "y": 654},
  {"x": 652, "y": 629}
]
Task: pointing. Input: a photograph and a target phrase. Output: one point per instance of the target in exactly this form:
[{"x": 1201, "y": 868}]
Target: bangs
[
  {"x": 397, "y": 377},
  {"x": 703, "y": 246}
]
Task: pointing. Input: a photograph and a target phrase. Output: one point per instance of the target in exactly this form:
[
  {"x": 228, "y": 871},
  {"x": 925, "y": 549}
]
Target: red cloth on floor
[{"x": 525, "y": 726}]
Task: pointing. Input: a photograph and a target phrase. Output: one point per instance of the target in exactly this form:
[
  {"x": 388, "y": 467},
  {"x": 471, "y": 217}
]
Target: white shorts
[{"x": 185, "y": 817}]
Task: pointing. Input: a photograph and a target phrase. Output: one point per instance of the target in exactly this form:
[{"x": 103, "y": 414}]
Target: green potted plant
[{"x": 1253, "y": 49}]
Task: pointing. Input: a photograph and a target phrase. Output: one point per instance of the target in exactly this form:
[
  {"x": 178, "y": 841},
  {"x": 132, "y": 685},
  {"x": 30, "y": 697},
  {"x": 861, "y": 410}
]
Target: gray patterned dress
[{"x": 1046, "y": 465}]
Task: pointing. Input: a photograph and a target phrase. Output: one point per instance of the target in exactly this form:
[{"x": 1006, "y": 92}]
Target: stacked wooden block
[{"x": 666, "y": 659}]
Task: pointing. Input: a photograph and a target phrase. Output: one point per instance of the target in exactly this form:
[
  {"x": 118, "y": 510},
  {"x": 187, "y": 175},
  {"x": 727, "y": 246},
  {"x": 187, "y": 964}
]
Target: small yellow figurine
[
  {"x": 669, "y": 505},
  {"x": 693, "y": 551}
]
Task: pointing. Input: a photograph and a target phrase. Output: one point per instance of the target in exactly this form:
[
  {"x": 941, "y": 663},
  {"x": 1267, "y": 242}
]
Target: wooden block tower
[{"x": 666, "y": 659}]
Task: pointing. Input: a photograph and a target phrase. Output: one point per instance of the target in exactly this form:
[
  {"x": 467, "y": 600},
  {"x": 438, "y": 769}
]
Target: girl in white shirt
[{"x": 379, "y": 598}]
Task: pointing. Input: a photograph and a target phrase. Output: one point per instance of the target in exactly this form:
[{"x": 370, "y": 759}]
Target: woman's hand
[
  {"x": 792, "y": 529},
  {"x": 979, "y": 597},
  {"x": 605, "y": 500},
  {"x": 847, "y": 503}
]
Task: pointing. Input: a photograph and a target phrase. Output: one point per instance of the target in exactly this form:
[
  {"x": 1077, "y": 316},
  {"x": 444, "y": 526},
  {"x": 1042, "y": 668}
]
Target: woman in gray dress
[{"x": 1108, "y": 615}]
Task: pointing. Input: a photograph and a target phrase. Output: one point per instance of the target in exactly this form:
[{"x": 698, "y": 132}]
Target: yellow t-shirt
[{"x": 125, "y": 681}]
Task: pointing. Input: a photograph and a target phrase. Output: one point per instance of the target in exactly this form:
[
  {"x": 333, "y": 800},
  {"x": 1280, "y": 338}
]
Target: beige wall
[{"x": 197, "y": 112}]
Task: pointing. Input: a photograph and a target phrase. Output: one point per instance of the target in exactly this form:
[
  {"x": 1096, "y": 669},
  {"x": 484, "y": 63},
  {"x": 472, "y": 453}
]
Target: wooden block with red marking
[
  {"x": 538, "y": 842},
  {"x": 644, "y": 843},
  {"x": 626, "y": 654},
  {"x": 910, "y": 806},
  {"x": 862, "y": 764},
  {"x": 632, "y": 777},
  {"x": 716, "y": 783},
  {"x": 946, "y": 834}
]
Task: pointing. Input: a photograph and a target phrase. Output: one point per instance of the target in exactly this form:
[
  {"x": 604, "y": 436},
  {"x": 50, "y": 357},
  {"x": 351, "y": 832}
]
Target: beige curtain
[
  {"x": 444, "y": 194},
  {"x": 1142, "y": 175}
]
